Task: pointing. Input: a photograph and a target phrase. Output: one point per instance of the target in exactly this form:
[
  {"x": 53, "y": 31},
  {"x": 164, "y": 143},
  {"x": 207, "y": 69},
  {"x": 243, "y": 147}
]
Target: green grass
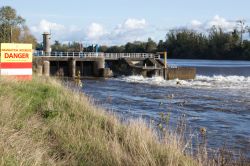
[{"x": 44, "y": 123}]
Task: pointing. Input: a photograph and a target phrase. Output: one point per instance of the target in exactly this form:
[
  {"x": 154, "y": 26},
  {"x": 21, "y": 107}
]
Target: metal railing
[{"x": 97, "y": 54}]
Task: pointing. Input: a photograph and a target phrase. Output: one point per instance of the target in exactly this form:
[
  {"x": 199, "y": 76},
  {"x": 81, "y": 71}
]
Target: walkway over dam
[
  {"x": 109, "y": 56},
  {"x": 98, "y": 64}
]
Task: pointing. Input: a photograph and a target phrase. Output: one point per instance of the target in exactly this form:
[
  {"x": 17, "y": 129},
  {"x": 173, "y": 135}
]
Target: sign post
[{"x": 16, "y": 60}]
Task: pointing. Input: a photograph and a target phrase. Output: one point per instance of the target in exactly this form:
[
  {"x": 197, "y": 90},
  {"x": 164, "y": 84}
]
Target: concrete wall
[
  {"x": 182, "y": 73},
  {"x": 46, "y": 43}
]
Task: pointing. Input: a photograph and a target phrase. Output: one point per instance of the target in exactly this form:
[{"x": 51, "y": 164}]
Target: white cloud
[
  {"x": 196, "y": 24},
  {"x": 95, "y": 31},
  {"x": 134, "y": 24},
  {"x": 46, "y": 26},
  {"x": 216, "y": 21},
  {"x": 221, "y": 22},
  {"x": 128, "y": 31},
  {"x": 130, "y": 25},
  {"x": 58, "y": 31}
]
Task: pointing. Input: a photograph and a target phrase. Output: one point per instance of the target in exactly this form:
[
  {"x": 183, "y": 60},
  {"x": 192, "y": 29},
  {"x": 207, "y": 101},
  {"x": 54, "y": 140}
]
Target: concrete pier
[
  {"x": 39, "y": 70},
  {"x": 99, "y": 64},
  {"x": 46, "y": 68},
  {"x": 72, "y": 67}
]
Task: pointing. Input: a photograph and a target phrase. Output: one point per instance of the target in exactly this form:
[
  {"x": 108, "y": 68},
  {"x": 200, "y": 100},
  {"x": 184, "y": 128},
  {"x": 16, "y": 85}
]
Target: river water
[{"x": 218, "y": 99}]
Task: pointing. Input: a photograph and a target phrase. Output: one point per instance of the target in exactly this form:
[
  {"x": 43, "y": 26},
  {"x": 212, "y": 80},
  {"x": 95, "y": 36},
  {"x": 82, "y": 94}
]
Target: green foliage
[
  {"x": 12, "y": 27},
  {"x": 164, "y": 121},
  {"x": 151, "y": 46},
  {"x": 218, "y": 44},
  {"x": 116, "y": 49},
  {"x": 185, "y": 44},
  {"x": 57, "y": 46},
  {"x": 161, "y": 46},
  {"x": 49, "y": 114}
]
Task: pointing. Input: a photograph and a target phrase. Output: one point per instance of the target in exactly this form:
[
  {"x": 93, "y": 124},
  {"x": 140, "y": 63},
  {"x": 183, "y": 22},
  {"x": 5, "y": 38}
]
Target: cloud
[
  {"x": 95, "y": 31},
  {"x": 221, "y": 22},
  {"x": 130, "y": 25},
  {"x": 134, "y": 24},
  {"x": 46, "y": 26},
  {"x": 216, "y": 21},
  {"x": 128, "y": 31},
  {"x": 196, "y": 24},
  {"x": 59, "y": 32}
]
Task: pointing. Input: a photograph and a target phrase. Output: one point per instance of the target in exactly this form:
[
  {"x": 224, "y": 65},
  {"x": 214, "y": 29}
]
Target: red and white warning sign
[{"x": 16, "y": 60}]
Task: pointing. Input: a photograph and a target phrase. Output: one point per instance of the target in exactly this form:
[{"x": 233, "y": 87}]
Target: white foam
[{"x": 216, "y": 81}]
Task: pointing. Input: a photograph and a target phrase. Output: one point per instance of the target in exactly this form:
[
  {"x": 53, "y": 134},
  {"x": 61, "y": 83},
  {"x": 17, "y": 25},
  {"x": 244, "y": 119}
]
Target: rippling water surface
[{"x": 218, "y": 99}]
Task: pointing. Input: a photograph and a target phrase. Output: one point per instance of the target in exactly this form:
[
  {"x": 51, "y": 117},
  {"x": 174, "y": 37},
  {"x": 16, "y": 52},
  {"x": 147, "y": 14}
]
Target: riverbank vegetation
[{"x": 44, "y": 123}]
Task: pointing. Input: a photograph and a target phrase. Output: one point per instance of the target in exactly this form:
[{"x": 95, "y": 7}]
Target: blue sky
[{"x": 119, "y": 21}]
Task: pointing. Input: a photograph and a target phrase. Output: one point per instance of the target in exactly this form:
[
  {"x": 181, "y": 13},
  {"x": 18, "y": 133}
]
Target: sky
[{"x": 116, "y": 22}]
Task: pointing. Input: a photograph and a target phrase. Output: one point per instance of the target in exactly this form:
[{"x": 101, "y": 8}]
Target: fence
[{"x": 97, "y": 54}]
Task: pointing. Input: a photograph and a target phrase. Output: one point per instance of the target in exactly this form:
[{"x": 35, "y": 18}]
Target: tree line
[
  {"x": 217, "y": 44},
  {"x": 179, "y": 43}
]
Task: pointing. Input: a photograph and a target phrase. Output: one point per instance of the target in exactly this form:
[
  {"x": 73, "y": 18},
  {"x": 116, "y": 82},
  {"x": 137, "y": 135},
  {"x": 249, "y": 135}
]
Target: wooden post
[{"x": 165, "y": 59}]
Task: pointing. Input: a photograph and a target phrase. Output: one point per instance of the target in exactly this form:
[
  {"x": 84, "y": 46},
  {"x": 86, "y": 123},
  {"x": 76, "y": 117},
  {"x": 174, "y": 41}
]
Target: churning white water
[{"x": 206, "y": 82}]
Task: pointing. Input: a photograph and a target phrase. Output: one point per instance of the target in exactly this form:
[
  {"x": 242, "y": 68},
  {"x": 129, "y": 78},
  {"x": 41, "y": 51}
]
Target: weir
[
  {"x": 91, "y": 64},
  {"x": 98, "y": 64}
]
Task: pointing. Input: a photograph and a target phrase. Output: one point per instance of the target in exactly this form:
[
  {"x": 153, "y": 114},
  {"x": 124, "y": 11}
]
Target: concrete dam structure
[{"x": 91, "y": 64}]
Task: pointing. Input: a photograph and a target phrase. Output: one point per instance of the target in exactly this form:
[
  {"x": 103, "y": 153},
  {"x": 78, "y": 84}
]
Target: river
[{"x": 218, "y": 100}]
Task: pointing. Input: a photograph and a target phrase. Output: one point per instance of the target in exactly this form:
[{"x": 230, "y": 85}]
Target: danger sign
[{"x": 16, "y": 60}]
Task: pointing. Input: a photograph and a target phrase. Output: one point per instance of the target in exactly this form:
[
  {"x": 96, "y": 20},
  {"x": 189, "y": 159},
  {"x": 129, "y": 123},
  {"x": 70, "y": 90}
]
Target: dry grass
[{"x": 44, "y": 123}]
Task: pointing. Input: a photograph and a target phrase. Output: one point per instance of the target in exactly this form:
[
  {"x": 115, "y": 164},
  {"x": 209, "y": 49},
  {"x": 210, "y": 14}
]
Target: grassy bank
[{"x": 44, "y": 123}]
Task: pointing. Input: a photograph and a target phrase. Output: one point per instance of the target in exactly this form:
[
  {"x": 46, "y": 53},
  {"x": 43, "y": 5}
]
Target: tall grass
[{"x": 44, "y": 123}]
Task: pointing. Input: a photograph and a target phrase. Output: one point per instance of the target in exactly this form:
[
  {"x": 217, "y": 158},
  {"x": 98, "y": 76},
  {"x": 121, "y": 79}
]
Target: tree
[
  {"x": 136, "y": 46},
  {"x": 184, "y": 43},
  {"x": 12, "y": 27},
  {"x": 151, "y": 46},
  {"x": 103, "y": 48},
  {"x": 9, "y": 20},
  {"x": 246, "y": 50},
  {"x": 56, "y": 46},
  {"x": 115, "y": 49},
  {"x": 219, "y": 43},
  {"x": 25, "y": 36},
  {"x": 161, "y": 46}
]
